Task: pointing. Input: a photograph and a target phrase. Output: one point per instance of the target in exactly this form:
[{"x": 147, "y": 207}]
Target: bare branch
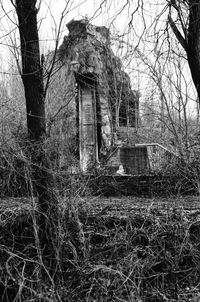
[{"x": 177, "y": 33}]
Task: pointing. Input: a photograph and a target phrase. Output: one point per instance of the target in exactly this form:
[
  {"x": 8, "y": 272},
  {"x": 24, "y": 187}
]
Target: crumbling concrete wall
[{"x": 102, "y": 87}]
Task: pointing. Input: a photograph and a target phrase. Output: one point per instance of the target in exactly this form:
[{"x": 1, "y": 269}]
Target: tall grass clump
[
  {"x": 183, "y": 175},
  {"x": 13, "y": 163}
]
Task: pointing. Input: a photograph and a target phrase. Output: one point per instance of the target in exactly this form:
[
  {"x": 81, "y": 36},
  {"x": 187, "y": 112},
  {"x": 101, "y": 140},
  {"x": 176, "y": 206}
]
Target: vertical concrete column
[{"x": 87, "y": 125}]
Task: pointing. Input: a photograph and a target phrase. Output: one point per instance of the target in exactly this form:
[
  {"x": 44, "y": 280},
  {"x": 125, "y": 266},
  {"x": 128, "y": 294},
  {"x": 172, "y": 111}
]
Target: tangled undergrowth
[{"x": 144, "y": 255}]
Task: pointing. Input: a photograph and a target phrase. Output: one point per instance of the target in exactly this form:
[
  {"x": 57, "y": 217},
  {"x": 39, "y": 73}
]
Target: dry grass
[{"x": 128, "y": 253}]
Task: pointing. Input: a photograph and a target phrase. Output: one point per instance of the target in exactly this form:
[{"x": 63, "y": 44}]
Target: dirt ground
[
  {"x": 130, "y": 205},
  {"x": 116, "y": 205}
]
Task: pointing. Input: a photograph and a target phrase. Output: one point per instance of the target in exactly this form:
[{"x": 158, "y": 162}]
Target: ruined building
[
  {"x": 106, "y": 107},
  {"x": 104, "y": 99}
]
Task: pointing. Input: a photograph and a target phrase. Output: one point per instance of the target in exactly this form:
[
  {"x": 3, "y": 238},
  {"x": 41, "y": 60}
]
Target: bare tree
[
  {"x": 34, "y": 94},
  {"x": 168, "y": 99},
  {"x": 31, "y": 68},
  {"x": 186, "y": 28}
]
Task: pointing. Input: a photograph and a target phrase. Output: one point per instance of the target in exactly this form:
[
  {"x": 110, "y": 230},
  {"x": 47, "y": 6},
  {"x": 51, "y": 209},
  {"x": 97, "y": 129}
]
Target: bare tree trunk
[
  {"x": 31, "y": 68},
  {"x": 34, "y": 94},
  {"x": 190, "y": 41},
  {"x": 193, "y": 43}
]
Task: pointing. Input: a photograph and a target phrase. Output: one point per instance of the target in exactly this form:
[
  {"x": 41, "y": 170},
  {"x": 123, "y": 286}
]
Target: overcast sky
[
  {"x": 110, "y": 13},
  {"x": 123, "y": 21}
]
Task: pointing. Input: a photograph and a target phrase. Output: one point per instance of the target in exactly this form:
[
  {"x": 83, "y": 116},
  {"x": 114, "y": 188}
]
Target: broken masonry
[{"x": 105, "y": 100}]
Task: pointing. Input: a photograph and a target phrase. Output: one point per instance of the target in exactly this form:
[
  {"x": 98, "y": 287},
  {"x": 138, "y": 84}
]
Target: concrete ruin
[
  {"x": 107, "y": 109},
  {"x": 104, "y": 95}
]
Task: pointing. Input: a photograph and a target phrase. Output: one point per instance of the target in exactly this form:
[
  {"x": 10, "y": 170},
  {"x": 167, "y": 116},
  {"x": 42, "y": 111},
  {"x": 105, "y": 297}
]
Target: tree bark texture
[{"x": 31, "y": 67}]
